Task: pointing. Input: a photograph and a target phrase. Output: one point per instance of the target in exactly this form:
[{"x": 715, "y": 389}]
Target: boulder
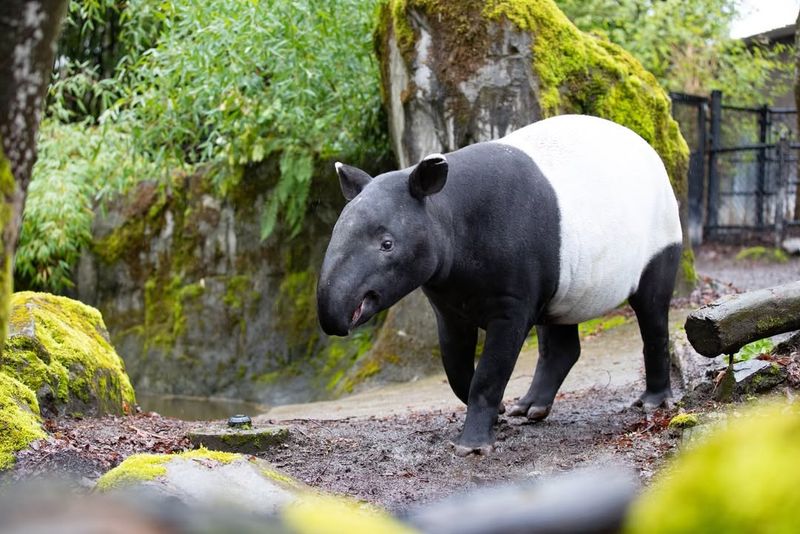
[
  {"x": 19, "y": 419},
  {"x": 227, "y": 483},
  {"x": 741, "y": 476},
  {"x": 456, "y": 73},
  {"x": 59, "y": 349}
]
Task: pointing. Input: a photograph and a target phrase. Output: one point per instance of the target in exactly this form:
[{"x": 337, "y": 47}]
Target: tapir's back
[{"x": 616, "y": 206}]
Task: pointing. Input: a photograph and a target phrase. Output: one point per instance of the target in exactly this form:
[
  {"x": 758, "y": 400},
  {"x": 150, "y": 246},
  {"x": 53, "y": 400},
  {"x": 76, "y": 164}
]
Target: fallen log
[{"x": 728, "y": 324}]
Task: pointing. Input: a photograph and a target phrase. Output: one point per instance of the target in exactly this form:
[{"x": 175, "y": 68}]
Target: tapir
[{"x": 554, "y": 224}]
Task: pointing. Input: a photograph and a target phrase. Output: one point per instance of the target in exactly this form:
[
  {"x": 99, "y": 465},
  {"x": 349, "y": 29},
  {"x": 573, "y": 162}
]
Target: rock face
[
  {"x": 57, "y": 359},
  {"x": 198, "y": 304},
  {"x": 457, "y": 73}
]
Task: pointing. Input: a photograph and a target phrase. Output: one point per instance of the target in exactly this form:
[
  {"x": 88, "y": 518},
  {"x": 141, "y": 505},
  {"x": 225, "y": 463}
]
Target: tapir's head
[{"x": 384, "y": 244}]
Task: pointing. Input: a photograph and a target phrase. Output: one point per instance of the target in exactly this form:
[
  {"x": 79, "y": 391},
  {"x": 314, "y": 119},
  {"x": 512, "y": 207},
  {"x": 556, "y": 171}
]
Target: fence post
[
  {"x": 713, "y": 177},
  {"x": 763, "y": 125},
  {"x": 783, "y": 184}
]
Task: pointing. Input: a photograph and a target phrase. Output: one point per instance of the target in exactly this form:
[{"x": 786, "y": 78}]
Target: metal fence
[{"x": 743, "y": 181}]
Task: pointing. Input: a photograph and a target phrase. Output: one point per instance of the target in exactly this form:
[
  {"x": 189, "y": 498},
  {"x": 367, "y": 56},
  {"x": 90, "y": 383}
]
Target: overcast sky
[{"x": 762, "y": 15}]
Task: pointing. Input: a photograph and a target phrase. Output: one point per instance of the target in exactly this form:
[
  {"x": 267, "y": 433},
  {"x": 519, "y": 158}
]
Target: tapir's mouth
[{"x": 365, "y": 310}]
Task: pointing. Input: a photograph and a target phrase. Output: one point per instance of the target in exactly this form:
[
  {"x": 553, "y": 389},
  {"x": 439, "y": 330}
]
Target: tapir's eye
[{"x": 387, "y": 245}]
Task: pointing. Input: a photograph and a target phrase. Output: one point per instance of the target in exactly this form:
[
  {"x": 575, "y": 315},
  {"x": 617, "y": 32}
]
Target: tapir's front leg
[
  {"x": 457, "y": 340},
  {"x": 504, "y": 339}
]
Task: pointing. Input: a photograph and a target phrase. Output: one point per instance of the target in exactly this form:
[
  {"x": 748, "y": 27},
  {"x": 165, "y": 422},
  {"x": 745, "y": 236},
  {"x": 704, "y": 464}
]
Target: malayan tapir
[{"x": 552, "y": 225}]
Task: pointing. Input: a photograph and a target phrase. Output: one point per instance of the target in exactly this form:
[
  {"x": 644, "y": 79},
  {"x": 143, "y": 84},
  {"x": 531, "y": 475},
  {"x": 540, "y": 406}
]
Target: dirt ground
[
  {"x": 400, "y": 461},
  {"x": 399, "y": 458}
]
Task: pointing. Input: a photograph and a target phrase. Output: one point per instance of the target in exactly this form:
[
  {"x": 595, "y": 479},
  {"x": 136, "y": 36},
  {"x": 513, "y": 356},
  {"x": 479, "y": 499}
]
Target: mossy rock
[
  {"x": 19, "y": 419},
  {"x": 454, "y": 68},
  {"x": 220, "y": 437},
  {"x": 59, "y": 349},
  {"x": 246, "y": 484},
  {"x": 742, "y": 478}
]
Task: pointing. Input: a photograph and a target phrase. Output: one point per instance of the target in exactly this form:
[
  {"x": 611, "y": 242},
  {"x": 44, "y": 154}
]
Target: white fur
[{"x": 616, "y": 204}]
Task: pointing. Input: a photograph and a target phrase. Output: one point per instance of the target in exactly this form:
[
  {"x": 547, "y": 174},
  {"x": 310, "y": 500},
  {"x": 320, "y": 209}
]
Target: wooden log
[{"x": 728, "y": 324}]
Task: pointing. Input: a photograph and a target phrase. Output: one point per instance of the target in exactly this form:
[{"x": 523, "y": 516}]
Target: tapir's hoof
[
  {"x": 534, "y": 413},
  {"x": 653, "y": 401},
  {"x": 537, "y": 413},
  {"x": 501, "y": 409},
  {"x": 517, "y": 409},
  {"x": 478, "y": 450}
]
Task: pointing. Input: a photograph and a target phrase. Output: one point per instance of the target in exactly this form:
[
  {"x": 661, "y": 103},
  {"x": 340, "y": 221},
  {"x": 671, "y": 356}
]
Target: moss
[
  {"x": 601, "y": 324},
  {"x": 743, "y": 478},
  {"x": 297, "y": 310},
  {"x": 320, "y": 514},
  {"x": 19, "y": 419},
  {"x": 759, "y": 253},
  {"x": 343, "y": 355},
  {"x": 8, "y": 187},
  {"x": 144, "y": 467},
  {"x": 285, "y": 480},
  {"x": 687, "y": 266},
  {"x": 238, "y": 291},
  {"x": 144, "y": 219},
  {"x": 59, "y": 348},
  {"x": 164, "y": 317},
  {"x": 136, "y": 468},
  {"x": 583, "y": 73},
  {"x": 683, "y": 420}
]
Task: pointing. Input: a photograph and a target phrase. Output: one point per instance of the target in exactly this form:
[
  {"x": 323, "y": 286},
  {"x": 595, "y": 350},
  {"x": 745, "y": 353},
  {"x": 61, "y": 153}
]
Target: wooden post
[
  {"x": 783, "y": 185},
  {"x": 713, "y": 176}
]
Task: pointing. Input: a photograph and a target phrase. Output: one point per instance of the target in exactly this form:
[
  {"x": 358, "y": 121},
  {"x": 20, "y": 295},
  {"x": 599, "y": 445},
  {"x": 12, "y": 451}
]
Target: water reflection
[{"x": 197, "y": 408}]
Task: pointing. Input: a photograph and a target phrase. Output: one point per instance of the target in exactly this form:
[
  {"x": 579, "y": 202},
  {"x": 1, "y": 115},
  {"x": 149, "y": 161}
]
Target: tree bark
[
  {"x": 28, "y": 32},
  {"x": 797, "y": 105},
  {"x": 725, "y": 326}
]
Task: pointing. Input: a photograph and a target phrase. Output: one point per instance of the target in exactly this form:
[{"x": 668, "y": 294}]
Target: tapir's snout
[
  {"x": 332, "y": 317},
  {"x": 343, "y": 300}
]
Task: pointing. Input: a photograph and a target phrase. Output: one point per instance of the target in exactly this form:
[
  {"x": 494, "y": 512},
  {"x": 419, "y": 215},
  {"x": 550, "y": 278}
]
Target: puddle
[{"x": 197, "y": 408}]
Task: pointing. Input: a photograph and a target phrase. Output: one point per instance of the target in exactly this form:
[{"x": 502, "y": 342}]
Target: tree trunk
[
  {"x": 28, "y": 31},
  {"x": 797, "y": 105},
  {"x": 725, "y": 326}
]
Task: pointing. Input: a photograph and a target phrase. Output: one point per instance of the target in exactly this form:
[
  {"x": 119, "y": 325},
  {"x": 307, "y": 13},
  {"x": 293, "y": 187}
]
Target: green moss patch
[
  {"x": 601, "y": 324},
  {"x": 740, "y": 479},
  {"x": 7, "y": 187},
  {"x": 59, "y": 348},
  {"x": 19, "y": 419},
  {"x": 583, "y": 73},
  {"x": 683, "y": 420},
  {"x": 764, "y": 254},
  {"x": 144, "y": 467}
]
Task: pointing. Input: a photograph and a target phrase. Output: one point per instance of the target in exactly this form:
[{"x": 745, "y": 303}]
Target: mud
[{"x": 400, "y": 461}]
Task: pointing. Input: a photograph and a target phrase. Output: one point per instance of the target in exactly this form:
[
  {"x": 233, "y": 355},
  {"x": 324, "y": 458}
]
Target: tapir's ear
[
  {"x": 352, "y": 180},
  {"x": 428, "y": 177}
]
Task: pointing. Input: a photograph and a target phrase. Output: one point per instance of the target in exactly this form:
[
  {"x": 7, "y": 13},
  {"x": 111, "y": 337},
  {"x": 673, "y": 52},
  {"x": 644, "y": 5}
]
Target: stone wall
[{"x": 197, "y": 303}]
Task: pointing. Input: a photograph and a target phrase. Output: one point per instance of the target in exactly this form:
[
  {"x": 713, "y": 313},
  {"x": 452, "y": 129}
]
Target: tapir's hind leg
[
  {"x": 559, "y": 348},
  {"x": 651, "y": 304}
]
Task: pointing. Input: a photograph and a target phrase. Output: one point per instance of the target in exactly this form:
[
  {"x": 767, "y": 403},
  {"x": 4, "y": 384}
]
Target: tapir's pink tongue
[{"x": 357, "y": 313}]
